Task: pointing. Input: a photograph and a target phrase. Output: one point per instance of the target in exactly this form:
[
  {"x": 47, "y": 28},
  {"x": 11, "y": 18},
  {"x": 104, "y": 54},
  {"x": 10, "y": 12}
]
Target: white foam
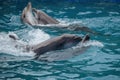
[
  {"x": 49, "y": 11},
  {"x": 84, "y": 13},
  {"x": 61, "y": 12},
  {"x": 117, "y": 13},
  {"x": 93, "y": 43},
  {"x": 8, "y": 46},
  {"x": 37, "y": 36},
  {"x": 69, "y": 21},
  {"x": 53, "y": 25},
  {"x": 29, "y": 37}
]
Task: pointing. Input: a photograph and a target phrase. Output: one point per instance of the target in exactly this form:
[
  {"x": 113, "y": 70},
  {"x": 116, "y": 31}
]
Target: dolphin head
[
  {"x": 43, "y": 18},
  {"x": 39, "y": 16},
  {"x": 72, "y": 40},
  {"x": 33, "y": 16},
  {"x": 27, "y": 15}
]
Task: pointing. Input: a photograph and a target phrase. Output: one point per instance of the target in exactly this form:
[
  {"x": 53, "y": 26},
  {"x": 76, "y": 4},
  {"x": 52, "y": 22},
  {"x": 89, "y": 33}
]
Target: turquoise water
[{"x": 100, "y": 62}]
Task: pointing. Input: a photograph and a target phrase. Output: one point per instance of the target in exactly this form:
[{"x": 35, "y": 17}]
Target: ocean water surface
[{"x": 101, "y": 61}]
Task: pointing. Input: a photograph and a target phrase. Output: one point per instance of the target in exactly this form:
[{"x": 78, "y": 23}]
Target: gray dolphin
[
  {"x": 43, "y": 18},
  {"x": 27, "y": 16},
  {"x": 33, "y": 16},
  {"x": 58, "y": 43},
  {"x": 61, "y": 42}
]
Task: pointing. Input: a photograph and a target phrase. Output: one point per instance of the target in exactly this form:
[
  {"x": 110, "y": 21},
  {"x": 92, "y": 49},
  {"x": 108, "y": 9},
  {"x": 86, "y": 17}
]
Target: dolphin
[
  {"x": 58, "y": 43},
  {"x": 27, "y": 16},
  {"x": 37, "y": 18},
  {"x": 61, "y": 42},
  {"x": 43, "y": 18},
  {"x": 33, "y": 16}
]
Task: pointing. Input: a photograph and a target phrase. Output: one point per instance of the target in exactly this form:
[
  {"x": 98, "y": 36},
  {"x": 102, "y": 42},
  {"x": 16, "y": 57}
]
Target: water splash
[
  {"x": 93, "y": 43},
  {"x": 8, "y": 46},
  {"x": 35, "y": 36}
]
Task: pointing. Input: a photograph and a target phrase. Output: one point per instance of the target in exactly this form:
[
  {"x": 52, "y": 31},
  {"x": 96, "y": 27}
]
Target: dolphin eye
[
  {"x": 24, "y": 16},
  {"x": 38, "y": 18}
]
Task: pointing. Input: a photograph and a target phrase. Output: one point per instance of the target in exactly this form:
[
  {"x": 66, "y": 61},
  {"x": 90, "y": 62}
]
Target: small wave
[
  {"x": 98, "y": 12},
  {"x": 84, "y": 13},
  {"x": 15, "y": 19},
  {"x": 49, "y": 11},
  {"x": 69, "y": 21},
  {"x": 93, "y": 43},
  {"x": 113, "y": 13},
  {"x": 61, "y": 12}
]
